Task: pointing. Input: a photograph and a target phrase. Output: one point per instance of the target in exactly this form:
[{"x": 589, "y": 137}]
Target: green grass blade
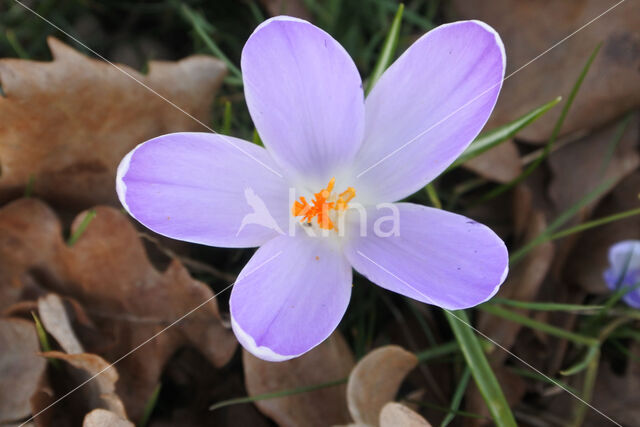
[
  {"x": 31, "y": 183},
  {"x": 388, "y": 50},
  {"x": 558, "y": 222},
  {"x": 497, "y": 136},
  {"x": 438, "y": 351},
  {"x": 276, "y": 394},
  {"x": 150, "y": 406},
  {"x": 15, "y": 44},
  {"x": 45, "y": 345},
  {"x": 554, "y": 134},
  {"x": 582, "y": 364},
  {"x": 543, "y": 306},
  {"x": 587, "y": 390},
  {"x": 198, "y": 23},
  {"x": 433, "y": 196},
  {"x": 541, "y": 326},
  {"x": 480, "y": 369},
  {"x": 82, "y": 227},
  {"x": 595, "y": 223},
  {"x": 457, "y": 397},
  {"x": 542, "y": 378}
]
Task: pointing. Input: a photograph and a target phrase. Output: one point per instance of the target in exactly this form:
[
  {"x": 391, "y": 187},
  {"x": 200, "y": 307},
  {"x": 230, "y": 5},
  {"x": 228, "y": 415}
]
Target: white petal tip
[
  {"x": 498, "y": 40},
  {"x": 261, "y": 352},
  {"x": 121, "y": 187}
]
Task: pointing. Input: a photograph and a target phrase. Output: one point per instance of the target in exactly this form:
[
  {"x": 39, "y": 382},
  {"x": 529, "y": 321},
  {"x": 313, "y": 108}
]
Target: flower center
[{"x": 323, "y": 206}]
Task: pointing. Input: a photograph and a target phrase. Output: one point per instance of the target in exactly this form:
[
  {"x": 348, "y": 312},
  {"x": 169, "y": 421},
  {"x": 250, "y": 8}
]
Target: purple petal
[
  {"x": 427, "y": 107},
  {"x": 436, "y": 257},
  {"x": 290, "y": 297},
  {"x": 305, "y": 96},
  {"x": 204, "y": 188},
  {"x": 624, "y": 269}
]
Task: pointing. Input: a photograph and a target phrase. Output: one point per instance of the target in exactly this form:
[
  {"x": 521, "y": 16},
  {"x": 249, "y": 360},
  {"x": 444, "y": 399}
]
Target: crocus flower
[
  {"x": 624, "y": 270},
  {"x": 336, "y": 150}
]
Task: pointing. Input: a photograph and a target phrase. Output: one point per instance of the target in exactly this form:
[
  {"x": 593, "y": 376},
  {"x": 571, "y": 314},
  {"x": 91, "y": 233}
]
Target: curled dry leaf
[
  {"x": 20, "y": 368},
  {"x": 375, "y": 381},
  {"x": 528, "y": 29},
  {"x": 94, "y": 115},
  {"x": 397, "y": 415},
  {"x": 104, "y": 418},
  {"x": 100, "y": 391},
  {"x": 331, "y": 360},
  {"x": 129, "y": 301},
  {"x": 55, "y": 320}
]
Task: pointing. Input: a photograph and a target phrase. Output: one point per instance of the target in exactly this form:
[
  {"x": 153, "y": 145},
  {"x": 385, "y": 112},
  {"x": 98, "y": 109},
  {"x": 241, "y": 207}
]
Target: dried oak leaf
[
  {"x": 129, "y": 301},
  {"x": 528, "y": 29},
  {"x": 97, "y": 393},
  {"x": 375, "y": 381},
  {"x": 331, "y": 360},
  {"x": 395, "y": 414},
  {"x": 104, "y": 418},
  {"x": 20, "y": 368},
  {"x": 69, "y": 122}
]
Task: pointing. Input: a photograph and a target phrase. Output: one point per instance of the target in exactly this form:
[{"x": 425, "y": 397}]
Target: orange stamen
[{"x": 322, "y": 204}]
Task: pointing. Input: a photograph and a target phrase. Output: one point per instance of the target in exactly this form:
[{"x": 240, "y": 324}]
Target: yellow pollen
[{"x": 323, "y": 203}]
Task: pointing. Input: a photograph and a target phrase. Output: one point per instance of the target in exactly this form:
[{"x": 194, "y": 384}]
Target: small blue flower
[{"x": 624, "y": 270}]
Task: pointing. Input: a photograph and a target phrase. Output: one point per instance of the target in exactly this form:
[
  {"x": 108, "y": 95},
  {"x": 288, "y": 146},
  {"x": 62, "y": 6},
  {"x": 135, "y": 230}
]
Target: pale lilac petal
[
  {"x": 624, "y": 269},
  {"x": 290, "y": 297},
  {"x": 305, "y": 96},
  {"x": 205, "y": 188},
  {"x": 427, "y": 107},
  {"x": 436, "y": 257}
]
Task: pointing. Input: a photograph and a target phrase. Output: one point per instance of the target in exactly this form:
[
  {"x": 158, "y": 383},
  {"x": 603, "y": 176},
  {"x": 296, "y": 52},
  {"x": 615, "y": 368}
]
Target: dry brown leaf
[
  {"x": 580, "y": 167},
  {"x": 611, "y": 87},
  {"x": 55, "y": 320},
  {"x": 501, "y": 164},
  {"x": 331, "y": 360},
  {"x": 397, "y": 415},
  {"x": 522, "y": 209},
  {"x": 100, "y": 391},
  {"x": 70, "y": 121},
  {"x": 104, "y": 418},
  {"x": 108, "y": 272},
  {"x": 20, "y": 368},
  {"x": 375, "y": 381}
]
